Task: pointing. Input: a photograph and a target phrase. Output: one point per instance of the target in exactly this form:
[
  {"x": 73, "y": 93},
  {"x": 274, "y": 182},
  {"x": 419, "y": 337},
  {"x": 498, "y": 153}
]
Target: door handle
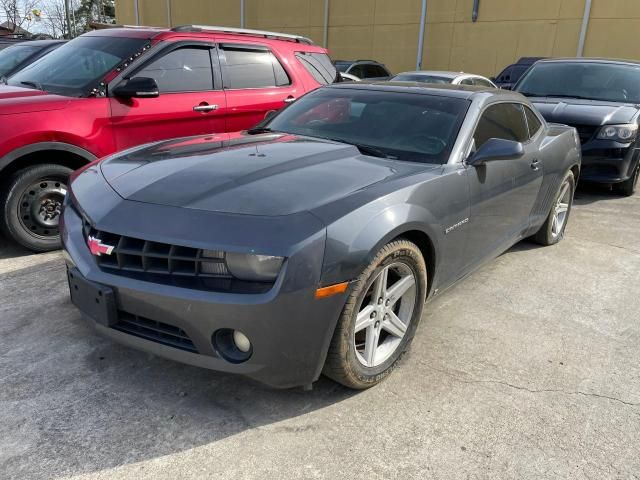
[
  {"x": 289, "y": 99},
  {"x": 535, "y": 164},
  {"x": 204, "y": 107}
]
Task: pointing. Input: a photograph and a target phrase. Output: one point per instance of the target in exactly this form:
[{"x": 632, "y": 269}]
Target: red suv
[{"x": 113, "y": 89}]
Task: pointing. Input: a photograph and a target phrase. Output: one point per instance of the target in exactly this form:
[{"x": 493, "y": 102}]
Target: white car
[{"x": 433, "y": 76}]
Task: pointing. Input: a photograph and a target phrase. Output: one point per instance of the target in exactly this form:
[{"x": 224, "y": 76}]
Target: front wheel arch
[{"x": 59, "y": 153}]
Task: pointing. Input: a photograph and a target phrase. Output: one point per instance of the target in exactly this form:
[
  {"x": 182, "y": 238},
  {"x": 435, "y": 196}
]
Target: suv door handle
[
  {"x": 205, "y": 107},
  {"x": 289, "y": 99},
  {"x": 535, "y": 164}
]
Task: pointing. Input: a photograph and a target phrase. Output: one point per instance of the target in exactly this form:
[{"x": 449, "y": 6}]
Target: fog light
[
  {"x": 241, "y": 341},
  {"x": 232, "y": 345}
]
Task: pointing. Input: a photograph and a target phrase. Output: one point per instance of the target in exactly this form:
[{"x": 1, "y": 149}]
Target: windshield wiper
[
  {"x": 554, "y": 95},
  {"x": 35, "y": 85},
  {"x": 257, "y": 130},
  {"x": 370, "y": 150}
]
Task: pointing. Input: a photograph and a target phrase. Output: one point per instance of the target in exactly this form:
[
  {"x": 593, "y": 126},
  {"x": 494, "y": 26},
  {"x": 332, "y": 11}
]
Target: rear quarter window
[
  {"x": 533, "y": 122},
  {"x": 319, "y": 66}
]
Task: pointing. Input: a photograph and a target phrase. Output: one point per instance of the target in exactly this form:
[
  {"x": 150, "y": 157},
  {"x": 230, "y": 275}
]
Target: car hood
[
  {"x": 585, "y": 112},
  {"x": 254, "y": 175},
  {"x": 15, "y": 100}
]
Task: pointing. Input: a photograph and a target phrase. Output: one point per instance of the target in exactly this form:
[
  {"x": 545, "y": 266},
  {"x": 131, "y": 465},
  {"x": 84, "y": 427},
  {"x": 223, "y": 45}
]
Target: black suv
[
  {"x": 508, "y": 77},
  {"x": 601, "y": 99}
]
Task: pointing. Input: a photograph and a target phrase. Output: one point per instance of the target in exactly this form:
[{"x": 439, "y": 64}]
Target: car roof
[
  {"x": 618, "y": 61},
  {"x": 144, "y": 32},
  {"x": 358, "y": 61},
  {"x": 437, "y": 73},
  {"x": 446, "y": 90}
]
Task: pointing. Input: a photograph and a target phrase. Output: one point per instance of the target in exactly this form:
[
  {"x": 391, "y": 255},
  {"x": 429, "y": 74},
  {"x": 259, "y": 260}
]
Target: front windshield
[
  {"x": 75, "y": 68},
  {"x": 13, "y": 56},
  {"x": 406, "y": 126},
  {"x": 587, "y": 80},
  {"x": 416, "y": 77},
  {"x": 342, "y": 66}
]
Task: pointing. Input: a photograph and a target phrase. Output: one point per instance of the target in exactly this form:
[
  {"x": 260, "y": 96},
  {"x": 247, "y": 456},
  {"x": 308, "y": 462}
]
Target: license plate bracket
[{"x": 93, "y": 299}]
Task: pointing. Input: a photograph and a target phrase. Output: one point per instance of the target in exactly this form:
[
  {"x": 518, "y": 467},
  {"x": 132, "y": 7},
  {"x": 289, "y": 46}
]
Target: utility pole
[{"x": 68, "y": 16}]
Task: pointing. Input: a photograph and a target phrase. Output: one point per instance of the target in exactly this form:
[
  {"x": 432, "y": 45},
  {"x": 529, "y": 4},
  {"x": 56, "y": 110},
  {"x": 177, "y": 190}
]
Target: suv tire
[{"x": 31, "y": 201}]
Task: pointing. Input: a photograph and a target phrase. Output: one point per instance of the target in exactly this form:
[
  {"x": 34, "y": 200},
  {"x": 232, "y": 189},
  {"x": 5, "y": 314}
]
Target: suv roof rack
[{"x": 243, "y": 31}]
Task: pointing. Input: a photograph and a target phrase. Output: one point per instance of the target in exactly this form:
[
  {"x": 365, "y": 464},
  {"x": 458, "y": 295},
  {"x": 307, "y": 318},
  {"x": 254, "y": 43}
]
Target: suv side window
[
  {"x": 533, "y": 122},
  {"x": 503, "y": 120},
  {"x": 251, "y": 67},
  {"x": 357, "y": 70},
  {"x": 481, "y": 82},
  {"x": 186, "y": 69},
  {"x": 372, "y": 71}
]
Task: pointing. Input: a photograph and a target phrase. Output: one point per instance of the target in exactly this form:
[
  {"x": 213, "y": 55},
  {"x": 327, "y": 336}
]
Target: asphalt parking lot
[{"x": 530, "y": 368}]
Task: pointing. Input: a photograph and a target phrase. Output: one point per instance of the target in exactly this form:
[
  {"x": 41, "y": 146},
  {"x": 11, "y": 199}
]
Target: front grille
[
  {"x": 142, "y": 256},
  {"x": 155, "y": 331},
  {"x": 585, "y": 132},
  {"x": 167, "y": 264}
]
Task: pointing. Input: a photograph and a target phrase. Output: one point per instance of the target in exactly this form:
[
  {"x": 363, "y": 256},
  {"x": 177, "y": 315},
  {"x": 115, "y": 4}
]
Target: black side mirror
[
  {"x": 138, "y": 87},
  {"x": 496, "y": 149}
]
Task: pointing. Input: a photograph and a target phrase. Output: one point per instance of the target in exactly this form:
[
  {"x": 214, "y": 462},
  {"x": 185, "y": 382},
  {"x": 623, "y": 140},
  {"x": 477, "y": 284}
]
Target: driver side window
[
  {"x": 503, "y": 120},
  {"x": 182, "y": 70}
]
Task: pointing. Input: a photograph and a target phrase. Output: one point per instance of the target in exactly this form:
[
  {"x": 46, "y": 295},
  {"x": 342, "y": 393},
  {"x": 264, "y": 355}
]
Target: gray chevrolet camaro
[{"x": 310, "y": 243}]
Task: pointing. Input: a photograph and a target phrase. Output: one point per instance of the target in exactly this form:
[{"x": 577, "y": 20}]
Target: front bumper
[
  {"x": 607, "y": 165},
  {"x": 289, "y": 329}
]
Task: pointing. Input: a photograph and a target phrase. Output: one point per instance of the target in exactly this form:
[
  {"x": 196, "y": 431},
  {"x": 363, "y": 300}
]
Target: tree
[
  {"x": 18, "y": 15},
  {"x": 95, "y": 11}
]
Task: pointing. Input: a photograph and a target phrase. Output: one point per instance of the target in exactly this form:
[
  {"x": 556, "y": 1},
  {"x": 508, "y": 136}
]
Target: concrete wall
[{"x": 387, "y": 30}]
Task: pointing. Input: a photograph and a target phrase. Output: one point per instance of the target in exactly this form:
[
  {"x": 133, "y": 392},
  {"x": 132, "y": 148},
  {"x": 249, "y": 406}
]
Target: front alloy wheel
[
  {"x": 384, "y": 314},
  {"x": 379, "y": 318}
]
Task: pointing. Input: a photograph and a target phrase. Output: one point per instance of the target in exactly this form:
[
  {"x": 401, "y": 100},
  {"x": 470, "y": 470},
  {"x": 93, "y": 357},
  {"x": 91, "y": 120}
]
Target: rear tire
[
  {"x": 31, "y": 202},
  {"x": 552, "y": 231},
  {"x": 628, "y": 187},
  {"x": 379, "y": 318}
]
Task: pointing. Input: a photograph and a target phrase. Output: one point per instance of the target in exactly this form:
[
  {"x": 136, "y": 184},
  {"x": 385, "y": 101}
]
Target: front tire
[
  {"x": 31, "y": 203},
  {"x": 552, "y": 231},
  {"x": 380, "y": 317},
  {"x": 628, "y": 187}
]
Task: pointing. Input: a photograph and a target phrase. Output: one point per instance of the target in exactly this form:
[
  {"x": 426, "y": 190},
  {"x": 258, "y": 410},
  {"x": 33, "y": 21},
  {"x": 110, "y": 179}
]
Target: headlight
[
  {"x": 619, "y": 133},
  {"x": 259, "y": 268}
]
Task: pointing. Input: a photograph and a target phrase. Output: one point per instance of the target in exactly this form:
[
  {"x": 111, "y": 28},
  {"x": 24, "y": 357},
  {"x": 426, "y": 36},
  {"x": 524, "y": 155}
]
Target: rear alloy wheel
[
  {"x": 553, "y": 229},
  {"x": 32, "y": 205},
  {"x": 379, "y": 318},
  {"x": 628, "y": 187}
]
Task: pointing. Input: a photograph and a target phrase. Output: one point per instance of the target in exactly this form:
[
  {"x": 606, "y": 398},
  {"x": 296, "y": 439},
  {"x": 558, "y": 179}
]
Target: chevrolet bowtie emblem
[{"x": 96, "y": 247}]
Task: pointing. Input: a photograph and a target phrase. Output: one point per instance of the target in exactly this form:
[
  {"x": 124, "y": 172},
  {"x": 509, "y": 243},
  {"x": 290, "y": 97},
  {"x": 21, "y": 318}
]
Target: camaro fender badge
[
  {"x": 96, "y": 247},
  {"x": 453, "y": 227}
]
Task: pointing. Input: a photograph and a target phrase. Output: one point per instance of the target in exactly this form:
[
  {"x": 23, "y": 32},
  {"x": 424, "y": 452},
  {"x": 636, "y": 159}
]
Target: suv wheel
[
  {"x": 32, "y": 202},
  {"x": 380, "y": 317}
]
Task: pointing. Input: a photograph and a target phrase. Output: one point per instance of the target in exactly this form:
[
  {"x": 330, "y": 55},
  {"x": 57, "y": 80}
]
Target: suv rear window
[
  {"x": 248, "y": 67},
  {"x": 319, "y": 66}
]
